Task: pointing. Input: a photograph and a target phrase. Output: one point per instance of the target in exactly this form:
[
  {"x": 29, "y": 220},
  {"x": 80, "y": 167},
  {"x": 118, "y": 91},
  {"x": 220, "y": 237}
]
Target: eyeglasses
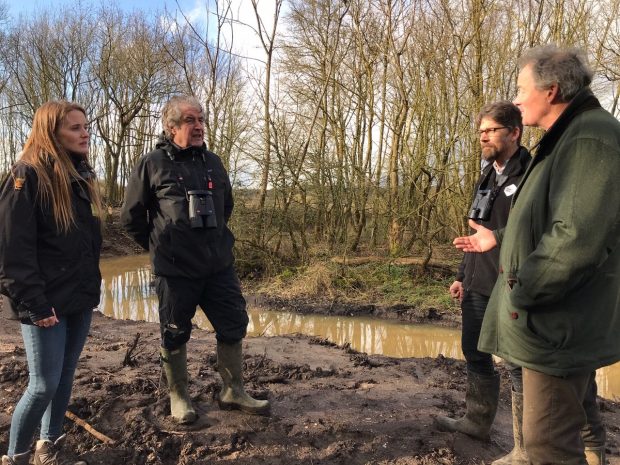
[{"x": 488, "y": 131}]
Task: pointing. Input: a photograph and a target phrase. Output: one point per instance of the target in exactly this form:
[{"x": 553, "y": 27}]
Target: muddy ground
[{"x": 330, "y": 405}]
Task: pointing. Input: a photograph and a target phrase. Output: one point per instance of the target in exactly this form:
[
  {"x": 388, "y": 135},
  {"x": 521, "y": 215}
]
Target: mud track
[{"x": 330, "y": 405}]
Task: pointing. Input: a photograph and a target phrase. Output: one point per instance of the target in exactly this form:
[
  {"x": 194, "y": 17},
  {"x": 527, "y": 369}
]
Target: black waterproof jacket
[
  {"x": 41, "y": 267},
  {"x": 478, "y": 271},
  {"x": 156, "y": 211}
]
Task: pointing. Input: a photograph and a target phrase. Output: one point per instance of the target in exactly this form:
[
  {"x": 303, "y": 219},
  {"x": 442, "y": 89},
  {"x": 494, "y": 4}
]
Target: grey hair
[
  {"x": 504, "y": 112},
  {"x": 565, "y": 66},
  {"x": 171, "y": 113}
]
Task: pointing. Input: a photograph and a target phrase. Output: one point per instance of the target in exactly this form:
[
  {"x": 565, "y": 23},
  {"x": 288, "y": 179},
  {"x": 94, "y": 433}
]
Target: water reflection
[
  {"x": 126, "y": 289},
  {"x": 127, "y": 294}
]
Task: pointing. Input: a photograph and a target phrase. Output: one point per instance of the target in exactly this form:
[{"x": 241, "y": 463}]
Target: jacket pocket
[
  {"x": 54, "y": 270},
  {"x": 516, "y": 336},
  {"x": 192, "y": 243},
  {"x": 542, "y": 326},
  {"x": 162, "y": 243}
]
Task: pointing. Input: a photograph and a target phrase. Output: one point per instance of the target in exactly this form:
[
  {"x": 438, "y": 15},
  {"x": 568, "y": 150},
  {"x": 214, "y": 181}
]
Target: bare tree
[
  {"x": 133, "y": 74},
  {"x": 208, "y": 68},
  {"x": 267, "y": 39},
  {"x": 357, "y": 130}
]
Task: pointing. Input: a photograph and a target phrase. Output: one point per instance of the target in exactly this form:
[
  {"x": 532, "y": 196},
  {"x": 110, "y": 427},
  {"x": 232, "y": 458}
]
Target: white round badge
[{"x": 509, "y": 190}]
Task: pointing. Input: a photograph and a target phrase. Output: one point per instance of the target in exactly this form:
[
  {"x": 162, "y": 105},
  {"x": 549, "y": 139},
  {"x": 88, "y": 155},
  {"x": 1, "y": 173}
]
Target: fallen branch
[{"x": 78, "y": 421}]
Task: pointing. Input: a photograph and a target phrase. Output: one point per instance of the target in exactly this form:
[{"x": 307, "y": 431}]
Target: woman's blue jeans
[{"x": 52, "y": 355}]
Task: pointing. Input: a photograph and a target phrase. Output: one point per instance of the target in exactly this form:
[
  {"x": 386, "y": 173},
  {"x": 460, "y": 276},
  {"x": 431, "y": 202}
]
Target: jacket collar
[
  {"x": 174, "y": 151},
  {"x": 582, "y": 102},
  {"x": 81, "y": 166},
  {"x": 517, "y": 163}
]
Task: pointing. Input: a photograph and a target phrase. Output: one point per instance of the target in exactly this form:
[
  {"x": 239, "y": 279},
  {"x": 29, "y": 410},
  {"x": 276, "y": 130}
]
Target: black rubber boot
[{"x": 481, "y": 400}]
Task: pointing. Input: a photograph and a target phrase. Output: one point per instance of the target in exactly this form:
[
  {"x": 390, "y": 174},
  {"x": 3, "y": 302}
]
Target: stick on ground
[{"x": 78, "y": 421}]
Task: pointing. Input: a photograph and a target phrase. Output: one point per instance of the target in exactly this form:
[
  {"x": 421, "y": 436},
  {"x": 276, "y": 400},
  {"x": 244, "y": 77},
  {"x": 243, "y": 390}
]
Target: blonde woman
[{"x": 49, "y": 269}]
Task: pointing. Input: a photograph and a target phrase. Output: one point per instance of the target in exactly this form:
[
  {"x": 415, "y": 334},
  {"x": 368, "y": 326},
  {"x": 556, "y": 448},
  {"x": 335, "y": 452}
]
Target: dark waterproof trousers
[
  {"x": 560, "y": 417},
  {"x": 473, "y": 307},
  {"x": 220, "y": 298}
]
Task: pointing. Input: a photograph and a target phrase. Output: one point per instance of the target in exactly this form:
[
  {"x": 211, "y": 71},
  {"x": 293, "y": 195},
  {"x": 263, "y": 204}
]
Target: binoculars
[
  {"x": 482, "y": 205},
  {"x": 201, "y": 209}
]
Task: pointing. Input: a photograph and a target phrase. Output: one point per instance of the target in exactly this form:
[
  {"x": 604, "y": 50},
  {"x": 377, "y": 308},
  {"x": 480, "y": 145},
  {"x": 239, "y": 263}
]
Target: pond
[{"x": 127, "y": 294}]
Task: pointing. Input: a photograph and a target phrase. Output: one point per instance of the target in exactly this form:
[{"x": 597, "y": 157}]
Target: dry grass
[
  {"x": 315, "y": 280},
  {"x": 365, "y": 280}
]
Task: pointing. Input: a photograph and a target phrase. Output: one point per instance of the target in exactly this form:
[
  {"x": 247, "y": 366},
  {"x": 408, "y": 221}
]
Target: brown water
[{"x": 127, "y": 295}]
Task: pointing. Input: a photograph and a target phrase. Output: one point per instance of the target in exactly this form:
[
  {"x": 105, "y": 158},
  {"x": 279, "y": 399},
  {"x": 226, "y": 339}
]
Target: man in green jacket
[{"x": 555, "y": 308}]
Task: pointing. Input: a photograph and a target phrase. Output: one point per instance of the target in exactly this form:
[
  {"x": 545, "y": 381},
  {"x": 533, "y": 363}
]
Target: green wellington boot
[
  {"x": 175, "y": 367},
  {"x": 481, "y": 401},
  {"x": 19, "y": 459},
  {"x": 517, "y": 455},
  {"x": 233, "y": 395}
]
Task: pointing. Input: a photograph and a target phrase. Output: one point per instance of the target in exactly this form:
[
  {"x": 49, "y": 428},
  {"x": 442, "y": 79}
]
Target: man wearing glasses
[
  {"x": 500, "y": 130},
  {"x": 177, "y": 205}
]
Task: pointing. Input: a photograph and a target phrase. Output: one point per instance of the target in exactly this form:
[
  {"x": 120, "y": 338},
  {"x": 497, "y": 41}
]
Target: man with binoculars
[
  {"x": 177, "y": 205},
  {"x": 500, "y": 130}
]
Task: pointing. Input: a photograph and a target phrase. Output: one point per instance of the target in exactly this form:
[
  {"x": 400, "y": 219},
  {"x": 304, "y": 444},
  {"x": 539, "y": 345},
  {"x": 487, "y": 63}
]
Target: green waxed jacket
[{"x": 555, "y": 307}]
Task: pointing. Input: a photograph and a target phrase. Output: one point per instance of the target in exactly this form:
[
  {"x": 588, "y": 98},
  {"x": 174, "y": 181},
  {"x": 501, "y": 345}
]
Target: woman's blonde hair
[{"x": 53, "y": 165}]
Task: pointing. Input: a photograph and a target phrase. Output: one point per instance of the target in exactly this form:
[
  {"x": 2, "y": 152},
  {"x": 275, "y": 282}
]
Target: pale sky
[
  {"x": 246, "y": 41},
  {"x": 28, "y": 7}
]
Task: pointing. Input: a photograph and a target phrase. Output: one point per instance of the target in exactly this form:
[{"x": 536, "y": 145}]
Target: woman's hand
[{"x": 49, "y": 321}]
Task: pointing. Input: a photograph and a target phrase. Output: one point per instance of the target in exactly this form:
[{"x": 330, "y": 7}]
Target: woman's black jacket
[{"x": 41, "y": 267}]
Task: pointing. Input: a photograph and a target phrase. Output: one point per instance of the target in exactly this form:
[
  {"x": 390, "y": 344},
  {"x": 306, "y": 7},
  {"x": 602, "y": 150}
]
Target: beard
[{"x": 490, "y": 153}]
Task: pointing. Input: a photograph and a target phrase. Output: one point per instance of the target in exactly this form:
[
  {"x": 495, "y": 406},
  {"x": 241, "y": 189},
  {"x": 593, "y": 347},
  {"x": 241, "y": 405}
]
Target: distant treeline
[{"x": 354, "y": 131}]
